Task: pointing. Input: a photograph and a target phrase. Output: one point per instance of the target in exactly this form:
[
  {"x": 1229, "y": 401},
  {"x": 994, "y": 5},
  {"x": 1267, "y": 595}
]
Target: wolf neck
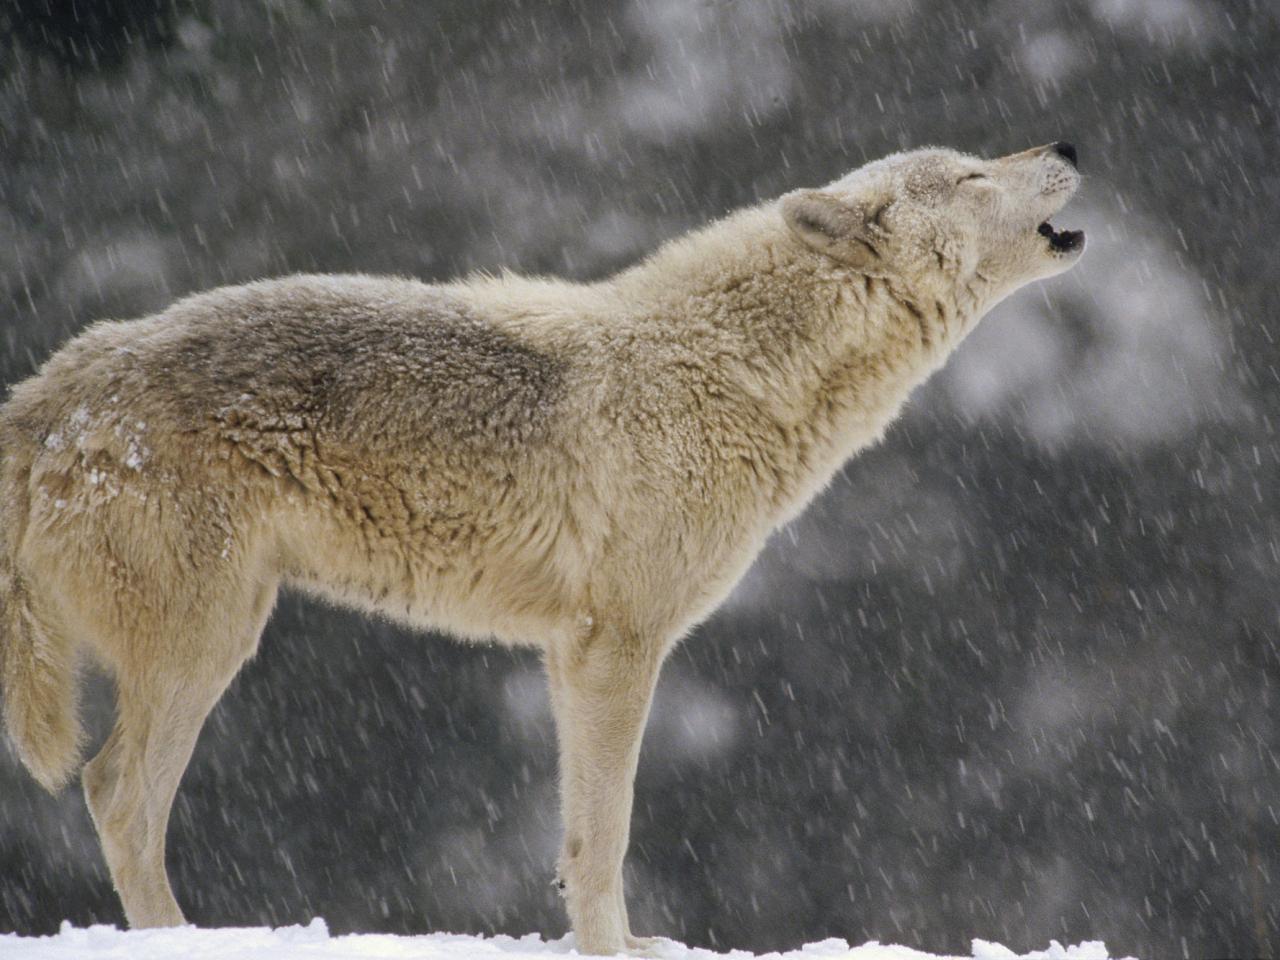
[{"x": 818, "y": 357}]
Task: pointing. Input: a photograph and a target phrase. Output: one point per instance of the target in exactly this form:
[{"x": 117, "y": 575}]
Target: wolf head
[{"x": 945, "y": 223}]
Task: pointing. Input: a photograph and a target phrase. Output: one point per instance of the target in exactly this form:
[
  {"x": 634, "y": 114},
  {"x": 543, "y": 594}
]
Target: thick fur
[{"x": 587, "y": 469}]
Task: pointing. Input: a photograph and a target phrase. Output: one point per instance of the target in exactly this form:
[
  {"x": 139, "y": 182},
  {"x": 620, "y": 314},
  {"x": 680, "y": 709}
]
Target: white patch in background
[
  {"x": 528, "y": 703},
  {"x": 695, "y": 77},
  {"x": 1129, "y": 347},
  {"x": 130, "y": 267},
  {"x": 1053, "y": 55},
  {"x": 1176, "y": 22},
  {"x": 195, "y": 36},
  {"x": 614, "y": 234},
  {"x": 690, "y": 721}
]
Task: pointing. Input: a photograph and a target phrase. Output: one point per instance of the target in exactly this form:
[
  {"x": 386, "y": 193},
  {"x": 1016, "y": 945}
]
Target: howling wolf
[{"x": 583, "y": 468}]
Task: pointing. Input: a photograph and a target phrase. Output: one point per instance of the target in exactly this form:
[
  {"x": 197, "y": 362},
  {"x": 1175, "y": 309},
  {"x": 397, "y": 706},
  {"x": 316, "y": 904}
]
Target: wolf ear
[{"x": 850, "y": 233}]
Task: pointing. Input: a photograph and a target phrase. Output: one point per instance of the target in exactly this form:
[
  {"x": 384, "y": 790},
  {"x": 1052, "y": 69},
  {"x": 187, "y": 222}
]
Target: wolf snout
[{"x": 1067, "y": 151}]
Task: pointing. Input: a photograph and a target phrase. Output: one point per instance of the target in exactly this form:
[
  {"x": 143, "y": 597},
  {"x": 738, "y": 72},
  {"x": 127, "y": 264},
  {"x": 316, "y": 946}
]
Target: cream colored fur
[{"x": 586, "y": 469}]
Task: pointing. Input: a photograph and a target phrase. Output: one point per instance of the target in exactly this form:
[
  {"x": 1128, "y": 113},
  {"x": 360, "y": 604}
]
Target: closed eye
[{"x": 972, "y": 176}]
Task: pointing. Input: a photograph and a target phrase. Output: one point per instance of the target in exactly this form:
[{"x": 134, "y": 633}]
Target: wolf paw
[{"x": 646, "y": 946}]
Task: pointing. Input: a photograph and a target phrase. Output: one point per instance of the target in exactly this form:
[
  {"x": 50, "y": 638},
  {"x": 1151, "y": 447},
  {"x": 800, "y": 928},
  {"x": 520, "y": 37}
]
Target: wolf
[{"x": 584, "y": 468}]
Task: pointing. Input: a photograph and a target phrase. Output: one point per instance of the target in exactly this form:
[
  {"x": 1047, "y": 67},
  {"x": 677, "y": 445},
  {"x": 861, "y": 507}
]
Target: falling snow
[{"x": 1014, "y": 676}]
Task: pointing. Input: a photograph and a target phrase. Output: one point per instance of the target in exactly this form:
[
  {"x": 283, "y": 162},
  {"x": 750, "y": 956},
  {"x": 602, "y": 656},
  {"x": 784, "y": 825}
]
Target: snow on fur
[{"x": 313, "y": 942}]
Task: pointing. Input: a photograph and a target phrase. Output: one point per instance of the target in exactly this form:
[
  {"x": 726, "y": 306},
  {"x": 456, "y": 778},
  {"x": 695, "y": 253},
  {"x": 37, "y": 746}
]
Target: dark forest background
[{"x": 1014, "y": 676}]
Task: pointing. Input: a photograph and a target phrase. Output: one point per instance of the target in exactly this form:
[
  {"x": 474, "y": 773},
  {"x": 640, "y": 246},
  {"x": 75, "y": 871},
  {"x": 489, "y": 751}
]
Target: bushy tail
[
  {"x": 40, "y": 693},
  {"x": 38, "y": 669}
]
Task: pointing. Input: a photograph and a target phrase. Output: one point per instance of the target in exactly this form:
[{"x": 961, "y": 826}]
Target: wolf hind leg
[
  {"x": 129, "y": 787},
  {"x": 131, "y": 783}
]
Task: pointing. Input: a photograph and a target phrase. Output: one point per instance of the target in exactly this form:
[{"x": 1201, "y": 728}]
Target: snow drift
[{"x": 313, "y": 942}]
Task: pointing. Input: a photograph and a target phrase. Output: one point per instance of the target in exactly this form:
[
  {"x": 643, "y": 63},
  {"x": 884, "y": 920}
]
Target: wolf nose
[{"x": 1067, "y": 151}]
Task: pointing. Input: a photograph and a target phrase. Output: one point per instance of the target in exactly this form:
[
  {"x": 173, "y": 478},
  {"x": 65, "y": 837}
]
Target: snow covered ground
[{"x": 313, "y": 942}]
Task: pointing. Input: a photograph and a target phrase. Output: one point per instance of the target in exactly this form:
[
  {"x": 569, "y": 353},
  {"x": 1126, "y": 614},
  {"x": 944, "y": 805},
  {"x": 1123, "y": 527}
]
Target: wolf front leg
[{"x": 601, "y": 688}]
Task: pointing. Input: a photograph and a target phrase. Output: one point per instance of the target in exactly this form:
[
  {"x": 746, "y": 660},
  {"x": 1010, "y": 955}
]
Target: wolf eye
[{"x": 972, "y": 176}]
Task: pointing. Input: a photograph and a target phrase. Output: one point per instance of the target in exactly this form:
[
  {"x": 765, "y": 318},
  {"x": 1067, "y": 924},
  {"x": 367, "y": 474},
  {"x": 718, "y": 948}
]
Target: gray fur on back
[{"x": 338, "y": 356}]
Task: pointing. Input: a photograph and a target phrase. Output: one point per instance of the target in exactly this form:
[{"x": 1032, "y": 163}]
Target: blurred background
[{"x": 1014, "y": 676}]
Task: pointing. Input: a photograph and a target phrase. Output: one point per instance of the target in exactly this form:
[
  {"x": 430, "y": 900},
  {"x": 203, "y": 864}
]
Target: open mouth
[{"x": 1061, "y": 241}]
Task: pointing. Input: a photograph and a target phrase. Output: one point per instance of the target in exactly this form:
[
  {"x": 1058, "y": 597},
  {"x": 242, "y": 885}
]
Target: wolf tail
[{"x": 37, "y": 663}]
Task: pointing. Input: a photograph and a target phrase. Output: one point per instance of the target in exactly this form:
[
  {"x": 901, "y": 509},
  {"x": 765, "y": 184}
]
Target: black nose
[{"x": 1067, "y": 151}]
